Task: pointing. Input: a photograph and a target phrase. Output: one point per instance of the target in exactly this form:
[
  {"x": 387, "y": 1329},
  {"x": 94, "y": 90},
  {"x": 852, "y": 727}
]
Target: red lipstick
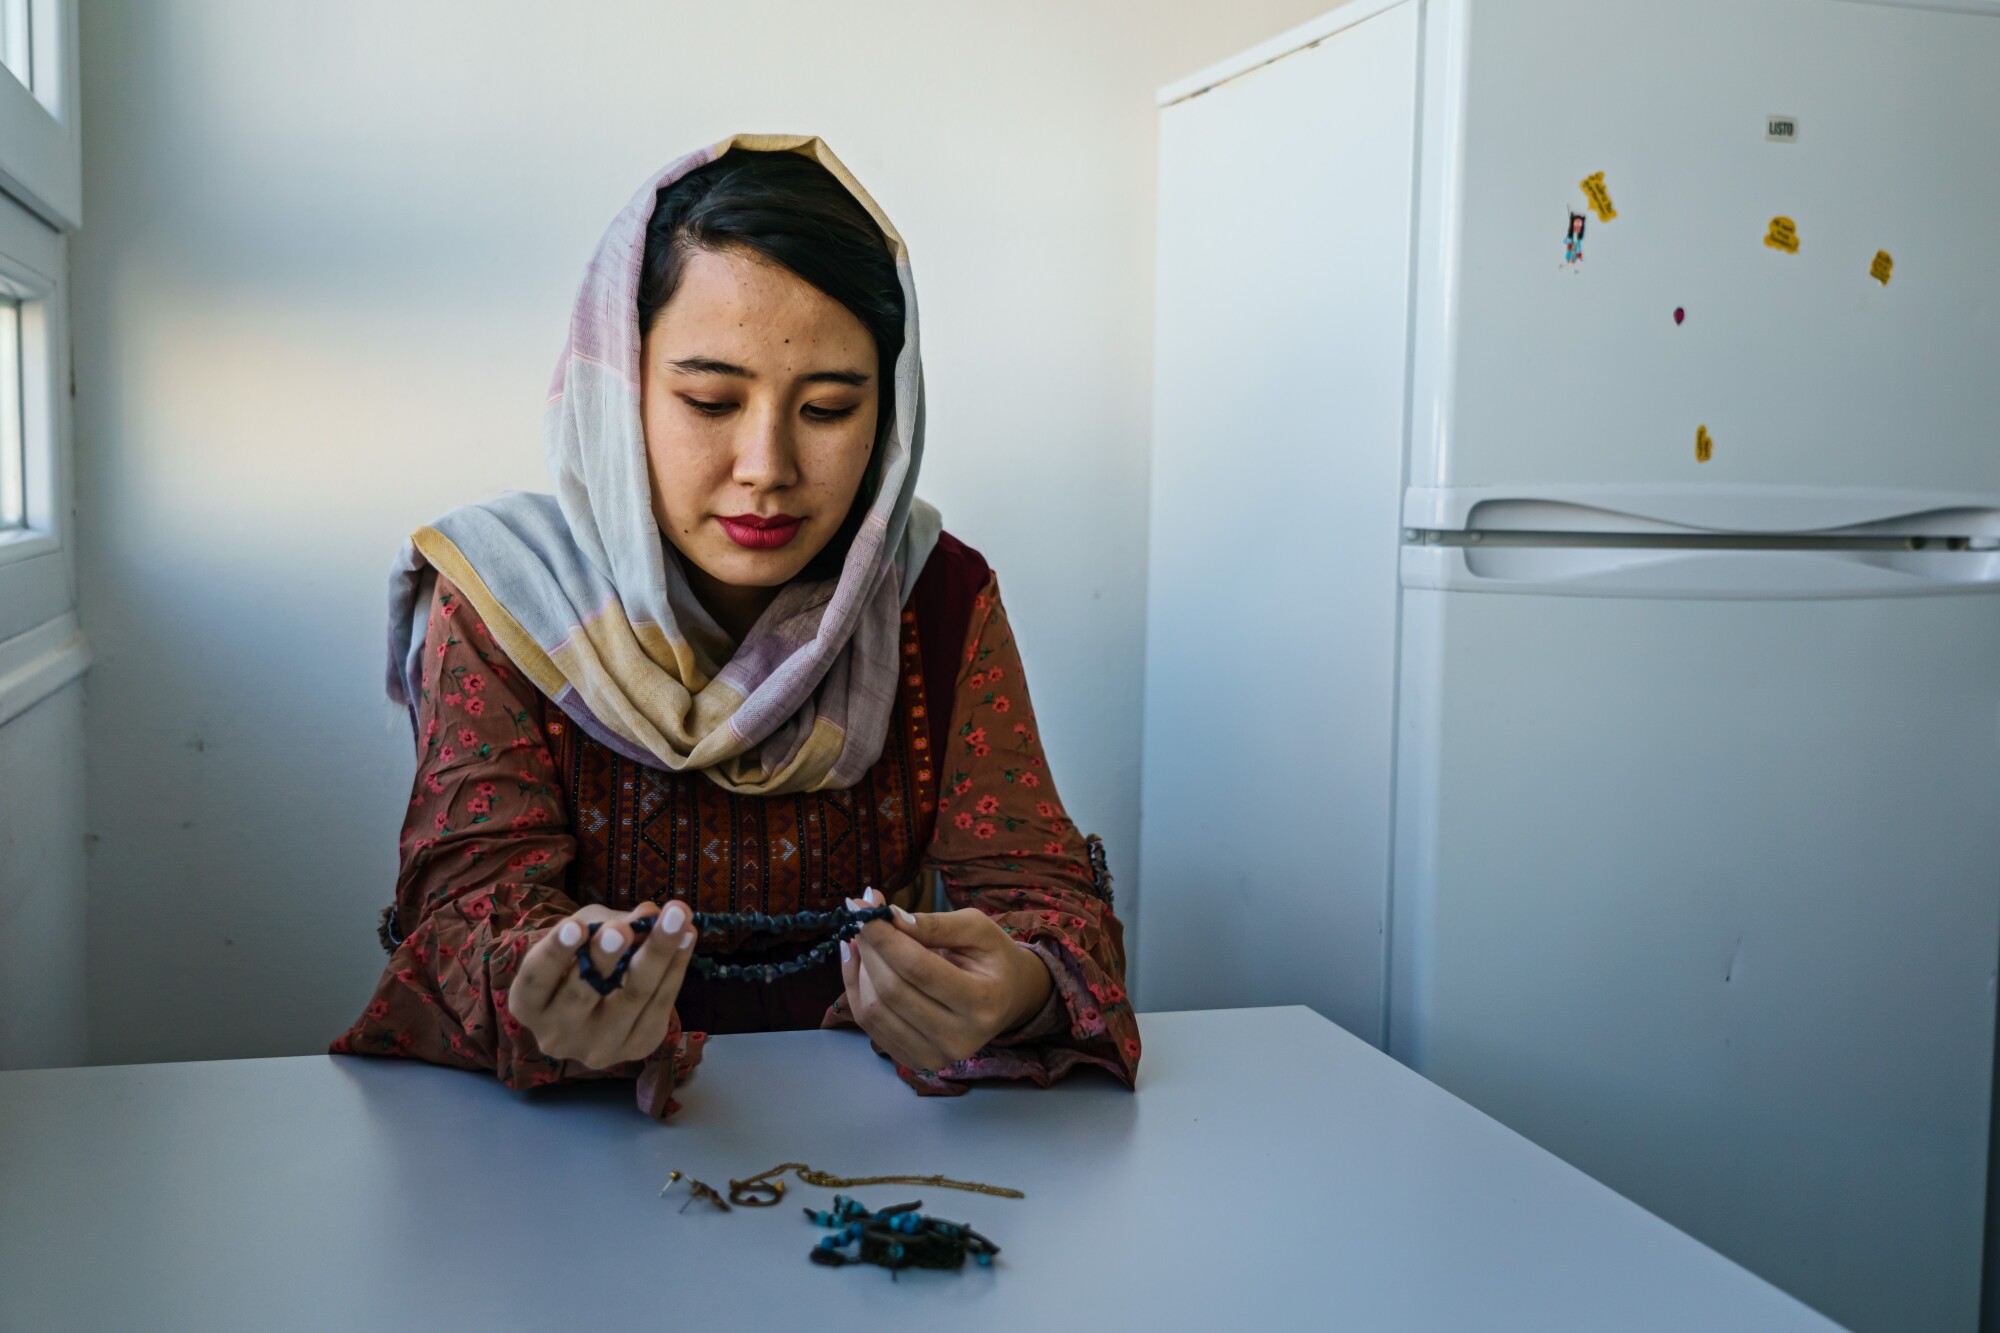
[{"x": 760, "y": 532}]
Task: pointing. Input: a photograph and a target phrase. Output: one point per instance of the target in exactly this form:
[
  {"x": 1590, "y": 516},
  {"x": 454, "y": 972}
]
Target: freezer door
[
  {"x": 1703, "y": 896},
  {"x": 1801, "y": 370}
]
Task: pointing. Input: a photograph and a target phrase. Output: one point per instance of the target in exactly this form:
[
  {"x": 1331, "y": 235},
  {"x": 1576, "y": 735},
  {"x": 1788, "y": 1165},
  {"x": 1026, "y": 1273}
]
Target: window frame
[
  {"x": 41, "y": 202},
  {"x": 41, "y": 160},
  {"x": 37, "y": 578}
]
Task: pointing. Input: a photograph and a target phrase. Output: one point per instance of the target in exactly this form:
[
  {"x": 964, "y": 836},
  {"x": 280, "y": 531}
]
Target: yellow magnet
[
  {"x": 1704, "y": 448},
  {"x": 1599, "y": 197},
  {"x": 1783, "y": 235},
  {"x": 1879, "y": 270}
]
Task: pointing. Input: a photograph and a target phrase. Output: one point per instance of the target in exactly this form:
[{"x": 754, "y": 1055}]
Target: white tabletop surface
[{"x": 1271, "y": 1172}]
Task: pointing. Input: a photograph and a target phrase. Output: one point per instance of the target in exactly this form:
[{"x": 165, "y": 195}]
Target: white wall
[
  {"x": 42, "y": 998},
  {"x": 328, "y": 260}
]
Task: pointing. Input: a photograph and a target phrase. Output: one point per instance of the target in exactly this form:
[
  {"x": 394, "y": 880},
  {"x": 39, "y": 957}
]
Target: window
[
  {"x": 35, "y": 484},
  {"x": 40, "y": 164},
  {"x": 40, "y": 204},
  {"x": 17, "y": 50},
  {"x": 13, "y": 461}
]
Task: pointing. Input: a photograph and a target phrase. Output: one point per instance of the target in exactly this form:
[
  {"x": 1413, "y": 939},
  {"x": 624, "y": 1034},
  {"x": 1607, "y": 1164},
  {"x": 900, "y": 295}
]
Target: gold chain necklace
[{"x": 746, "y": 1191}]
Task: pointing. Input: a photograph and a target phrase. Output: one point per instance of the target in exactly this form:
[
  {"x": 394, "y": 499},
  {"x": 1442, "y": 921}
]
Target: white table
[{"x": 1272, "y": 1172}]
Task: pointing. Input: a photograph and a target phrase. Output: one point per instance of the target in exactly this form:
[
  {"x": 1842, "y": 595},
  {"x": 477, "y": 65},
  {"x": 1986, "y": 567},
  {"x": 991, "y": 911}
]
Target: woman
[{"x": 805, "y": 691}]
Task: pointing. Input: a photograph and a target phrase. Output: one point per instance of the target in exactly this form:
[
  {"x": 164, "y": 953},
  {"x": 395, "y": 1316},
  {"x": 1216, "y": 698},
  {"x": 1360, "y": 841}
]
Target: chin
[{"x": 757, "y": 569}]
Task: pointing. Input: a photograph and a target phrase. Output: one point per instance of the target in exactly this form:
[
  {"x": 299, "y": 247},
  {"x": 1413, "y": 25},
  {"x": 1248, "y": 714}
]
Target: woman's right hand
[{"x": 570, "y": 1020}]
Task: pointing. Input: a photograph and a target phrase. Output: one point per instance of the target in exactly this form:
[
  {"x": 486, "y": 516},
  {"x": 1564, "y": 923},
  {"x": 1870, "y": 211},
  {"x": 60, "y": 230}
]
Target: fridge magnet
[
  {"x": 1704, "y": 447},
  {"x": 1783, "y": 235},
  {"x": 1573, "y": 244},
  {"x": 1879, "y": 270},
  {"x": 1680, "y": 315},
  {"x": 1599, "y": 197}
]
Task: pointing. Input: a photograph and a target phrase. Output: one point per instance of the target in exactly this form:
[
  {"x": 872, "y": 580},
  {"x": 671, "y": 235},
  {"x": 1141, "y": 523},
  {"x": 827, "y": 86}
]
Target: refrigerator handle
[
  {"x": 1643, "y": 571},
  {"x": 1691, "y": 509}
]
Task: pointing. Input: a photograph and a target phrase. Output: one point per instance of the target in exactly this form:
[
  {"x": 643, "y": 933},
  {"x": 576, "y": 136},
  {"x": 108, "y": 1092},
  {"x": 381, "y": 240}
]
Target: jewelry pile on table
[{"x": 894, "y": 1238}]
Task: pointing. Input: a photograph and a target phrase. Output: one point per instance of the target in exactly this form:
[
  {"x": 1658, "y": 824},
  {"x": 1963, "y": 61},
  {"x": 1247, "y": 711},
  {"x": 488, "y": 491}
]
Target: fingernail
[
  {"x": 846, "y": 954},
  {"x": 873, "y": 896},
  {"x": 687, "y": 941},
  {"x": 673, "y": 918},
  {"x": 610, "y": 940},
  {"x": 903, "y": 916},
  {"x": 570, "y": 933}
]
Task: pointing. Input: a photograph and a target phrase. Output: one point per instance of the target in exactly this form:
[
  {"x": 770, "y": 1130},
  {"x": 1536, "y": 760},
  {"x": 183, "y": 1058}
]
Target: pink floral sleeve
[
  {"x": 1005, "y": 845},
  {"x": 485, "y": 851}
]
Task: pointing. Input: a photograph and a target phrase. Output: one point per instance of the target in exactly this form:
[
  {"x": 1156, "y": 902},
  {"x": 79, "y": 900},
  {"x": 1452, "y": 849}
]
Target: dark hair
[{"x": 788, "y": 209}]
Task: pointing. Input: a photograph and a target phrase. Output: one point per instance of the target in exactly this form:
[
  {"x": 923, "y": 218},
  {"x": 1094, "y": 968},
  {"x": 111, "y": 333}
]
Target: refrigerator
[{"x": 1573, "y": 627}]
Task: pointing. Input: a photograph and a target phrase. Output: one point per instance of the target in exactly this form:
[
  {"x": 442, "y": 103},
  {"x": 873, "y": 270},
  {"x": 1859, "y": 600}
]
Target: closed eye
[{"x": 811, "y": 411}]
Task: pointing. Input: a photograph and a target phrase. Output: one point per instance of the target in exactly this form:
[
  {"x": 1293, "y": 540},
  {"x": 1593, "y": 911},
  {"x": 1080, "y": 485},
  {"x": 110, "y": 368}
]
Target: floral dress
[{"x": 516, "y": 818}]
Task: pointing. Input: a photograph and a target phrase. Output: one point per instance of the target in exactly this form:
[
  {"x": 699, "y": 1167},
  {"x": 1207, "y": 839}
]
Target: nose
[{"x": 766, "y": 451}]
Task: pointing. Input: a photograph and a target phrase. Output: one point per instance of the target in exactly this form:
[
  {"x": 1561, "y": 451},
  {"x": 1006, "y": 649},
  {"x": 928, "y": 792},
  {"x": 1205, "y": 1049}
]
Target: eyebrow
[{"x": 708, "y": 365}]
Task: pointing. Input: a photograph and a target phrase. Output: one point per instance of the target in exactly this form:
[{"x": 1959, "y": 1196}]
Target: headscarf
[{"x": 580, "y": 591}]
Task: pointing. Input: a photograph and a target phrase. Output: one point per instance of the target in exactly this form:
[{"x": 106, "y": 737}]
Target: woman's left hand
[{"x": 934, "y": 987}]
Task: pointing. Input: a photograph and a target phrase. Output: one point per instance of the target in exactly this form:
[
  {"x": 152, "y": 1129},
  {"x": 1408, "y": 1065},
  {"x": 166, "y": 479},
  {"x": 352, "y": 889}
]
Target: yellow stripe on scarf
[{"x": 608, "y": 656}]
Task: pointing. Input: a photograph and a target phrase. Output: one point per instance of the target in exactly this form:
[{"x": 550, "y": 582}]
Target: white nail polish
[
  {"x": 569, "y": 934},
  {"x": 673, "y": 918},
  {"x": 610, "y": 940},
  {"x": 687, "y": 941},
  {"x": 846, "y": 954},
  {"x": 903, "y": 916}
]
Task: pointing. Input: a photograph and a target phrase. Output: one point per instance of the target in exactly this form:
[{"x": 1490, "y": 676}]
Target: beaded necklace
[
  {"x": 844, "y": 922},
  {"x": 896, "y": 1237}
]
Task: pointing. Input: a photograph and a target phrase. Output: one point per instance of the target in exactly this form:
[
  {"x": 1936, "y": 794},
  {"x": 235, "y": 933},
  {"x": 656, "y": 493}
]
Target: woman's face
[{"x": 759, "y": 394}]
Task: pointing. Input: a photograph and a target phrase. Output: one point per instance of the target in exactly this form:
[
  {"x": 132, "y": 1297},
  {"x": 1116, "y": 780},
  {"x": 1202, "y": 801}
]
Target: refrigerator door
[
  {"x": 1703, "y": 895},
  {"x": 1805, "y": 374}
]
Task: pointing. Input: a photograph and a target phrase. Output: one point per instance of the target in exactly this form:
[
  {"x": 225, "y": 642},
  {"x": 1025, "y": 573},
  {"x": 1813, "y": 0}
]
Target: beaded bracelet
[{"x": 846, "y": 923}]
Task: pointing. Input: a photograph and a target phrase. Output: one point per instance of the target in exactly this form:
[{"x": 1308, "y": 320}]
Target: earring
[{"x": 696, "y": 1190}]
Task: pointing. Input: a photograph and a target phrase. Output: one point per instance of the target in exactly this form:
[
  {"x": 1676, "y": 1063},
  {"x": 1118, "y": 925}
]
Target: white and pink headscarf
[{"x": 579, "y": 590}]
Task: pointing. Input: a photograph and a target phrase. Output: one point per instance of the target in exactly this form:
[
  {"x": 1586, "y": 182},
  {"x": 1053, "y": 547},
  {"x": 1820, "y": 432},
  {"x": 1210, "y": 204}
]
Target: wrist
[{"x": 1036, "y": 985}]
